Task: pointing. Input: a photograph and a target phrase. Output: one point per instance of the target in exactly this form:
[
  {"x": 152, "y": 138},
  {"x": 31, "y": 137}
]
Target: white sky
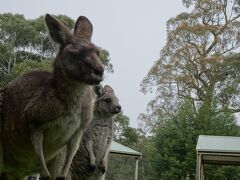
[{"x": 133, "y": 31}]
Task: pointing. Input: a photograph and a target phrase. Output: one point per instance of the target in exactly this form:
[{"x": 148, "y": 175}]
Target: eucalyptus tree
[{"x": 191, "y": 64}]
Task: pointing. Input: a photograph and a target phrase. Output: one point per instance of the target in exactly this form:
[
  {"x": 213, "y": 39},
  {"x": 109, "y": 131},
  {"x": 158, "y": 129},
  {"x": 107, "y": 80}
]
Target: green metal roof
[
  {"x": 117, "y": 148},
  {"x": 225, "y": 144}
]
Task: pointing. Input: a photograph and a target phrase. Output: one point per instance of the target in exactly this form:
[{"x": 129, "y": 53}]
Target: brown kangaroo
[{"x": 45, "y": 112}]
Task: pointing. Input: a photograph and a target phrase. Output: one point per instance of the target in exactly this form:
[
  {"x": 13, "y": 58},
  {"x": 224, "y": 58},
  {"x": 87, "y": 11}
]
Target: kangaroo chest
[
  {"x": 62, "y": 129},
  {"x": 59, "y": 131},
  {"x": 101, "y": 134}
]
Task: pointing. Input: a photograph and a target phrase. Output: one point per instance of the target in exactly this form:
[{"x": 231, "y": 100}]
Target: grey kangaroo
[
  {"x": 90, "y": 160},
  {"x": 43, "y": 112}
]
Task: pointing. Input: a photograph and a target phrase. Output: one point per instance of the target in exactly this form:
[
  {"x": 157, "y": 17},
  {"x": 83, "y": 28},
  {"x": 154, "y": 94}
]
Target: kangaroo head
[
  {"x": 78, "y": 59},
  {"x": 106, "y": 102}
]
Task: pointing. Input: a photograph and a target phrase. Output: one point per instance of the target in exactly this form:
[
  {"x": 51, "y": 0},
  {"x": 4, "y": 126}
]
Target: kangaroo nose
[
  {"x": 99, "y": 71},
  {"x": 118, "y": 108}
]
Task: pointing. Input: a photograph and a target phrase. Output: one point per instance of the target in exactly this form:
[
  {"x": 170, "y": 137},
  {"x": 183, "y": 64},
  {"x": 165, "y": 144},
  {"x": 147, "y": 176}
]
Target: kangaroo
[
  {"x": 90, "y": 161},
  {"x": 43, "y": 112}
]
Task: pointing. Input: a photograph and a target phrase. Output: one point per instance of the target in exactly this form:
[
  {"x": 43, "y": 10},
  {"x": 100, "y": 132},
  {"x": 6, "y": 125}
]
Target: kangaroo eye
[{"x": 107, "y": 100}]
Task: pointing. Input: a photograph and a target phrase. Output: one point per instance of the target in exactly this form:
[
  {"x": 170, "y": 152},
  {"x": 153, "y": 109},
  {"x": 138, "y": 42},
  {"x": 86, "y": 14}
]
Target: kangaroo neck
[
  {"x": 67, "y": 89},
  {"x": 103, "y": 117}
]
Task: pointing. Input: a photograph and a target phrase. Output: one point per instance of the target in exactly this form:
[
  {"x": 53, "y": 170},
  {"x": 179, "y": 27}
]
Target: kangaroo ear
[
  {"x": 83, "y": 28},
  {"x": 98, "y": 90},
  {"x": 58, "y": 31},
  {"x": 108, "y": 89}
]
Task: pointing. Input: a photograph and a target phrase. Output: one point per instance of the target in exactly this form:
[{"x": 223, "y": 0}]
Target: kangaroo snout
[
  {"x": 99, "y": 71},
  {"x": 118, "y": 109}
]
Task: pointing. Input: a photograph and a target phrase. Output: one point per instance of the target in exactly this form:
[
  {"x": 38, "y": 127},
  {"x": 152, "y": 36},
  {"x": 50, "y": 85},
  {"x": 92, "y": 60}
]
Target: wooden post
[
  {"x": 202, "y": 173},
  {"x": 136, "y": 169},
  {"x": 198, "y": 166}
]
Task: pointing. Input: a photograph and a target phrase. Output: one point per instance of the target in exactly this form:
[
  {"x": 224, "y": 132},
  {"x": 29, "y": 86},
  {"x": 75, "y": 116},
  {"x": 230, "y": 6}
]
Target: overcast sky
[{"x": 133, "y": 31}]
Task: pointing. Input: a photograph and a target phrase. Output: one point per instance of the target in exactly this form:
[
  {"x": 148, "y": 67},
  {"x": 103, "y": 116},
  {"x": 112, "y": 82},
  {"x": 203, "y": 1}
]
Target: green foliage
[
  {"x": 121, "y": 122},
  {"x": 27, "y": 66},
  {"x": 69, "y": 22},
  {"x": 120, "y": 167},
  {"x": 104, "y": 56},
  {"x": 123, "y": 133},
  {"x": 146, "y": 146},
  {"x": 228, "y": 95},
  {"x": 176, "y": 140},
  {"x": 220, "y": 172},
  {"x": 129, "y": 136},
  {"x": 123, "y": 167},
  {"x": 30, "y": 65}
]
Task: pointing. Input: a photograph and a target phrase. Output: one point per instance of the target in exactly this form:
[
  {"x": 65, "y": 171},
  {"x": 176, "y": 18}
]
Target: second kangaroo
[{"x": 90, "y": 160}]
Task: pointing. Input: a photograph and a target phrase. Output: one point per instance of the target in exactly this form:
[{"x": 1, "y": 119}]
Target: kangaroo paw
[
  {"x": 45, "y": 178},
  {"x": 60, "y": 178},
  {"x": 102, "y": 168},
  {"x": 91, "y": 168}
]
